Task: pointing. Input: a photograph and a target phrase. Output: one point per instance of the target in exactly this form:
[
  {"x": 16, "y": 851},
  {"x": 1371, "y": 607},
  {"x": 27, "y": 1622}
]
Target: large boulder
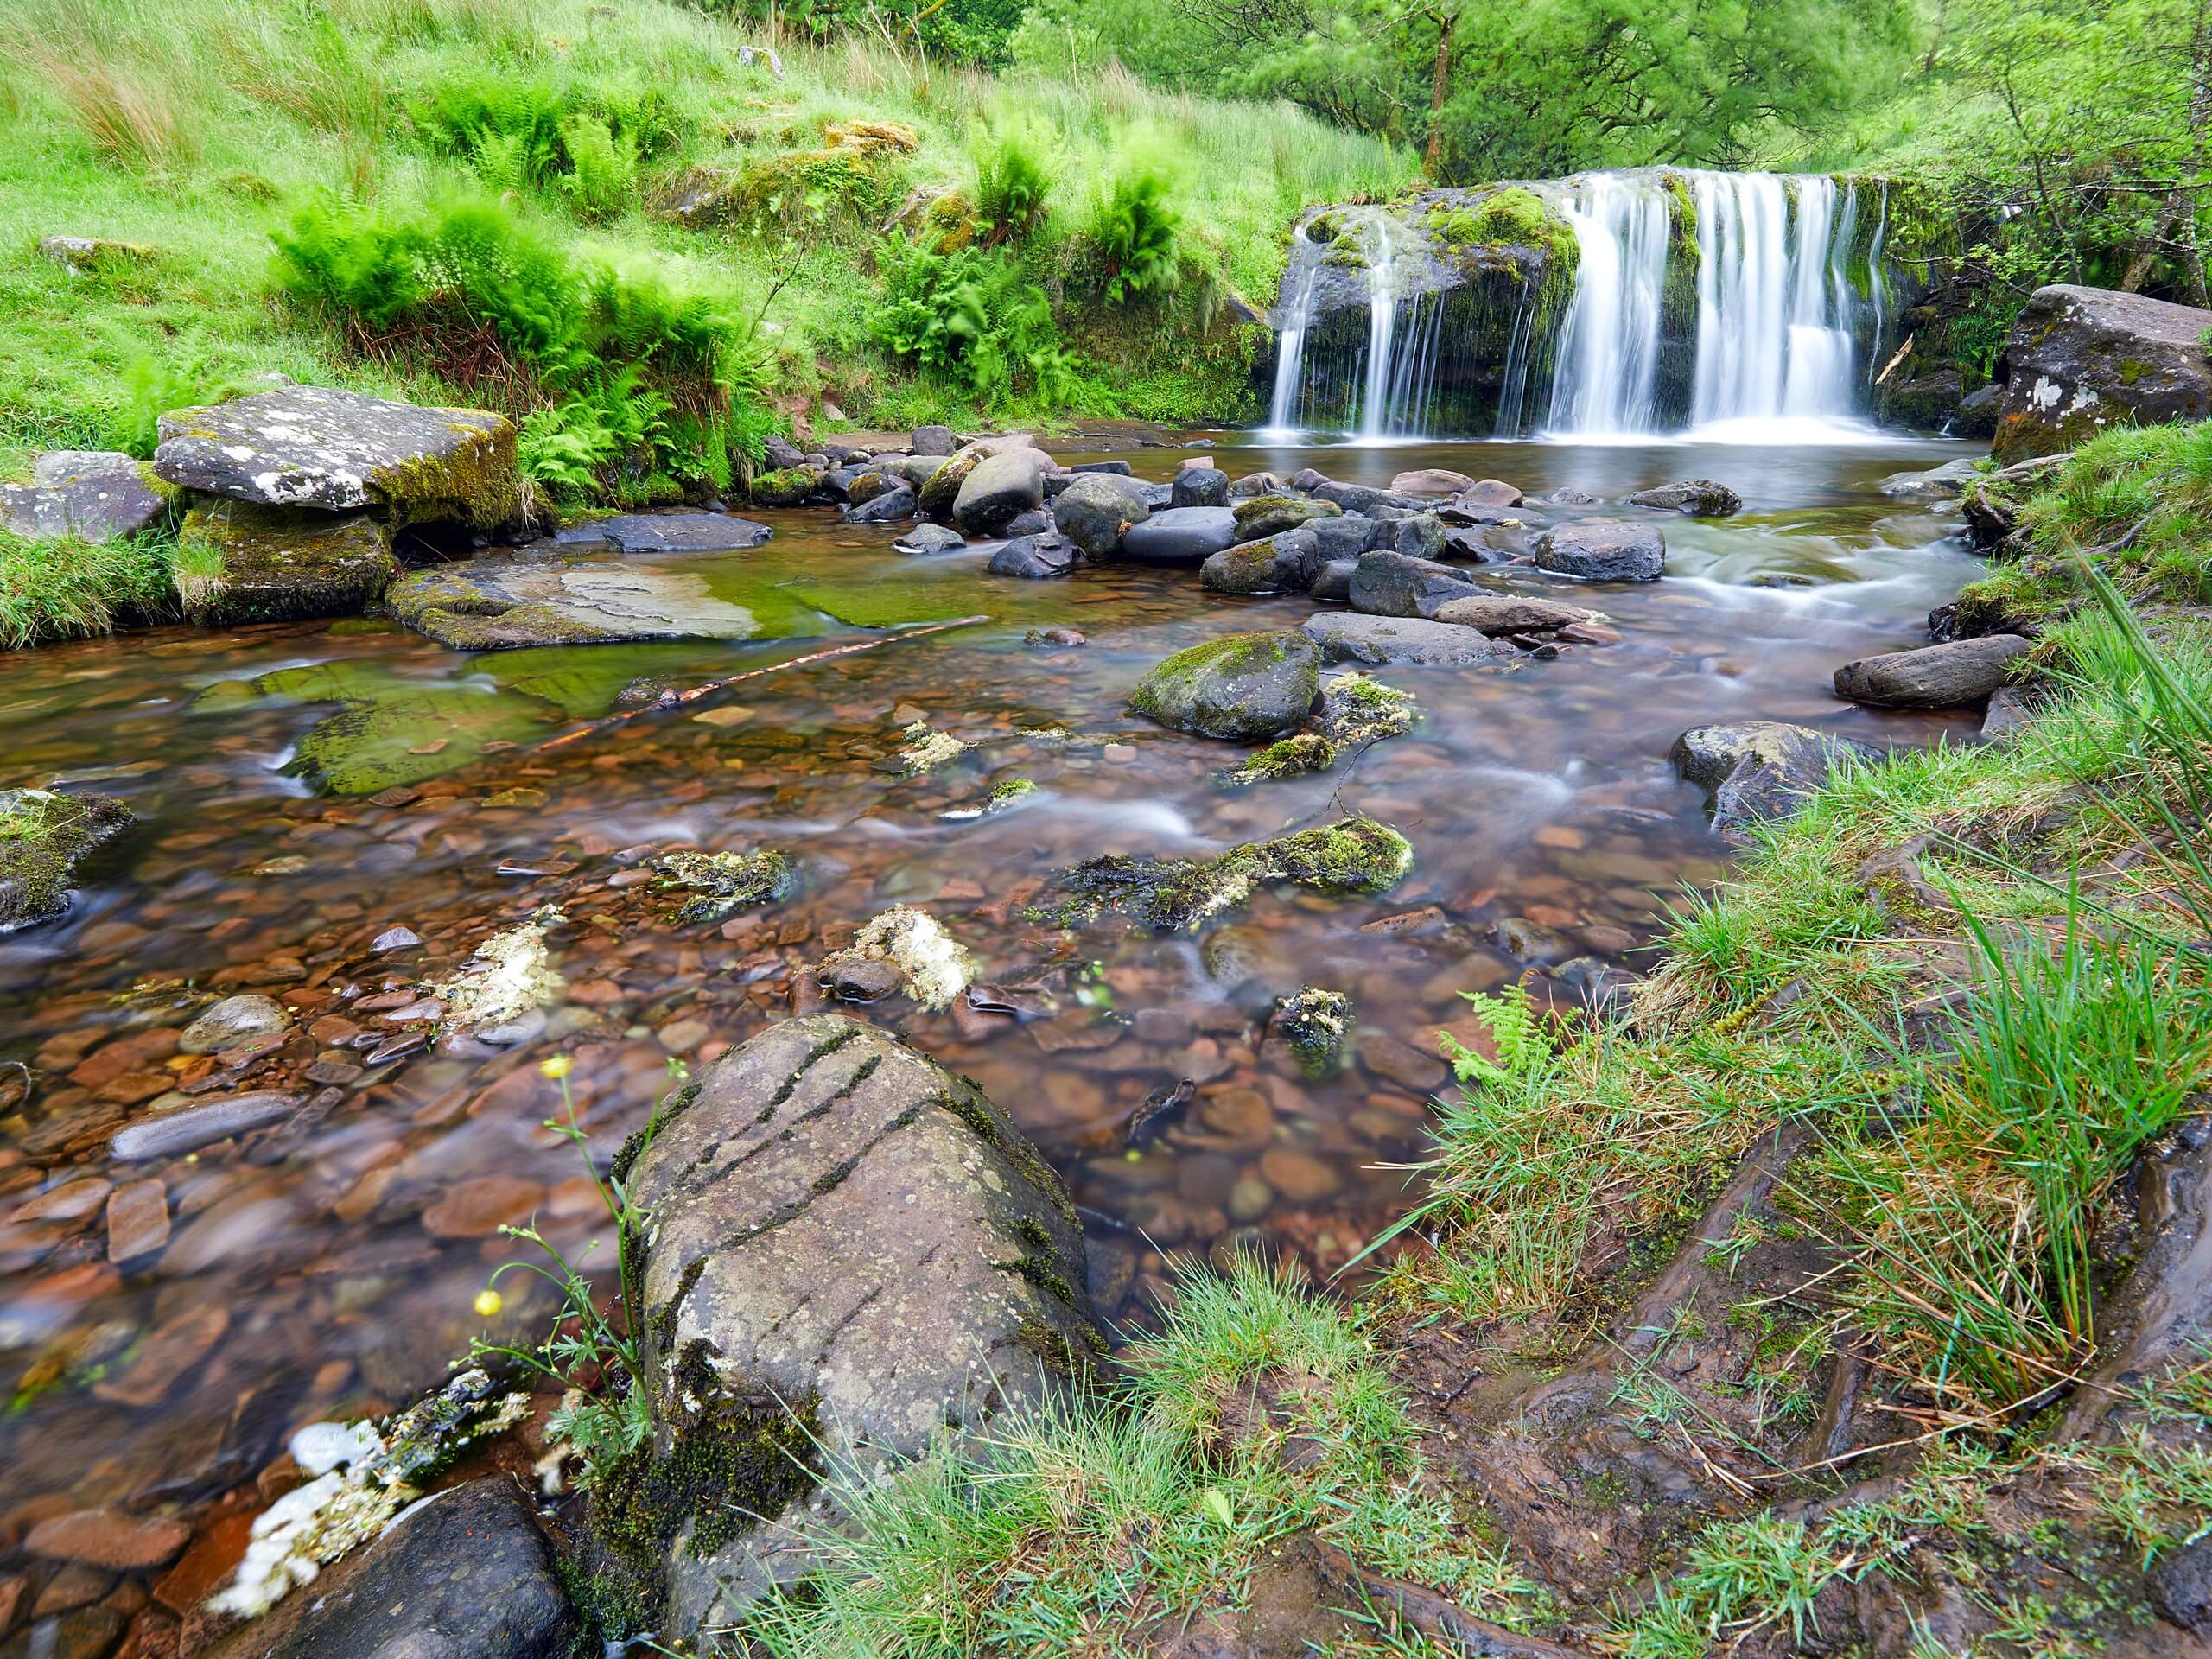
[
  {"x": 1181, "y": 536},
  {"x": 1263, "y": 515},
  {"x": 341, "y": 452},
  {"x": 943, "y": 487},
  {"x": 239, "y": 562},
  {"x": 1377, "y": 641},
  {"x": 1394, "y": 584},
  {"x": 94, "y": 495},
  {"x": 1000, "y": 489},
  {"x": 1603, "y": 549},
  {"x": 2079, "y": 360},
  {"x": 493, "y": 606},
  {"x": 43, "y": 836},
  {"x": 843, "y": 1240},
  {"x": 1246, "y": 688},
  {"x": 1282, "y": 563},
  {"x": 467, "y": 1575},
  {"x": 1758, "y": 769},
  {"x": 1094, "y": 510},
  {"x": 1947, "y": 676}
]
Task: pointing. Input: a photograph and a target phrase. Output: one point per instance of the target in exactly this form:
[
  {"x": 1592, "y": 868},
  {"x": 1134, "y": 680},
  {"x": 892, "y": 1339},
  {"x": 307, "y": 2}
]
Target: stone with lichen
[
  {"x": 43, "y": 836},
  {"x": 720, "y": 883},
  {"x": 1351, "y": 856},
  {"x": 1313, "y": 1022}
]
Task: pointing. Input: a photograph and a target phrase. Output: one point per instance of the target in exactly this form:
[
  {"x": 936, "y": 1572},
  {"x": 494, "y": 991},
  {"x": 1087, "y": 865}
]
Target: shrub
[
  {"x": 1136, "y": 233},
  {"x": 1012, "y": 177},
  {"x": 977, "y": 316},
  {"x": 603, "y": 172}
]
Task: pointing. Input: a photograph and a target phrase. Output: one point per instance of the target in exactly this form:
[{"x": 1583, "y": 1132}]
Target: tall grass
[{"x": 69, "y": 588}]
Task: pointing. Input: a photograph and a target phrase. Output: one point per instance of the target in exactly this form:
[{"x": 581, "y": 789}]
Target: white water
[
  {"x": 1290, "y": 349},
  {"x": 1382, "y": 325},
  {"x": 1609, "y": 348}
]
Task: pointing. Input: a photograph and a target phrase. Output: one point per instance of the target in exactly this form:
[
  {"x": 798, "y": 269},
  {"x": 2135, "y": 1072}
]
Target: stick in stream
[{"x": 699, "y": 691}]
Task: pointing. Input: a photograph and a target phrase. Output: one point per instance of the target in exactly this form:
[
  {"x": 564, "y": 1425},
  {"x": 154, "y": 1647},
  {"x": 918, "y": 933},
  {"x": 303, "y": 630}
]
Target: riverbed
[{"x": 327, "y": 1265}]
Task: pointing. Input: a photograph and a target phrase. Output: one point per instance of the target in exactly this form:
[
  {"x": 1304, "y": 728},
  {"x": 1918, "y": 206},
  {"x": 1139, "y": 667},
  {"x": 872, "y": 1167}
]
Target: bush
[
  {"x": 1136, "y": 233},
  {"x": 976, "y": 314},
  {"x": 603, "y": 172},
  {"x": 1012, "y": 177}
]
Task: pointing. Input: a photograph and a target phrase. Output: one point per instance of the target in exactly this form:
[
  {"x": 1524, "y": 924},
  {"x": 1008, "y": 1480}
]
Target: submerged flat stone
[
  {"x": 495, "y": 606},
  {"x": 666, "y": 532}
]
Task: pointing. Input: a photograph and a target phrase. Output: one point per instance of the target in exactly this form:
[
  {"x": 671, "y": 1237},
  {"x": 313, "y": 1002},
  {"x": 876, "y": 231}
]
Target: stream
[{"x": 327, "y": 1265}]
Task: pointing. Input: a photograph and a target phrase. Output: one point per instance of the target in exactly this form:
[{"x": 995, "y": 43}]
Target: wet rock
[
  {"x": 2080, "y": 361},
  {"x": 1181, "y": 536},
  {"x": 1501, "y": 613},
  {"x": 891, "y": 506},
  {"x": 1697, "y": 498},
  {"x": 1034, "y": 556},
  {"x": 786, "y": 486},
  {"x": 469, "y": 1574},
  {"x": 1199, "y": 487},
  {"x": 914, "y": 470},
  {"x": 1393, "y": 584},
  {"x": 1314, "y": 1023},
  {"x": 1758, "y": 769},
  {"x": 1362, "y": 498},
  {"x": 1433, "y": 481},
  {"x": 1038, "y": 521},
  {"x": 860, "y": 979},
  {"x": 1416, "y": 536},
  {"x": 488, "y": 606},
  {"x": 112, "y": 1539},
  {"x": 1603, "y": 549},
  {"x": 168, "y": 1135},
  {"x": 1281, "y": 563},
  {"x": 1000, "y": 489},
  {"x": 1351, "y": 855},
  {"x": 91, "y": 494},
  {"x": 1245, "y": 688},
  {"x": 1058, "y": 636},
  {"x": 44, "y": 837},
  {"x": 1933, "y": 676},
  {"x": 1527, "y": 941},
  {"x": 259, "y": 563},
  {"x": 840, "y": 1225},
  {"x": 479, "y": 1208},
  {"x": 928, "y": 538},
  {"x": 934, "y": 440},
  {"x": 780, "y": 451},
  {"x": 1346, "y": 537},
  {"x": 1094, "y": 511},
  {"x": 1298, "y": 1176},
  {"x": 1333, "y": 580},
  {"x": 1603, "y": 985},
  {"x": 1488, "y": 492},
  {"x": 666, "y": 532},
  {"x": 1263, "y": 515},
  {"x": 232, "y": 1021},
  {"x": 395, "y": 939},
  {"x": 137, "y": 1220},
  {"x": 1938, "y": 484},
  {"x": 1384, "y": 639},
  {"x": 341, "y": 452}
]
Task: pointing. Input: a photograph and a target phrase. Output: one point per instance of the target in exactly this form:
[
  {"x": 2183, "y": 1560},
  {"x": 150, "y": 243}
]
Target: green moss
[
  {"x": 721, "y": 883},
  {"x": 238, "y": 563},
  {"x": 1286, "y": 757},
  {"x": 1040, "y": 1270},
  {"x": 785, "y": 488},
  {"x": 1350, "y": 856},
  {"x": 1314, "y": 1023},
  {"x": 42, "y": 836}
]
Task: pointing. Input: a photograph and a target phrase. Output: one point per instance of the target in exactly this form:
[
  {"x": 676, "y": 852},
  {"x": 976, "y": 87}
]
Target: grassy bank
[{"x": 614, "y": 216}]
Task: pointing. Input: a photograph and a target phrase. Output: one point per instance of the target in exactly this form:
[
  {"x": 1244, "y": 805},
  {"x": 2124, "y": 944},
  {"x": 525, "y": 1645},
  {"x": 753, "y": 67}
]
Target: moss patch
[
  {"x": 42, "y": 836},
  {"x": 1352, "y": 855}
]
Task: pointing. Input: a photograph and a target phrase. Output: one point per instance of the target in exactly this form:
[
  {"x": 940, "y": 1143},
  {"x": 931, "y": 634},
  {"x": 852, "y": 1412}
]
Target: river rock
[
  {"x": 1432, "y": 481},
  {"x": 1416, "y": 535},
  {"x": 1603, "y": 549},
  {"x": 169, "y": 1134},
  {"x": 469, "y": 1574},
  {"x": 1501, "y": 613},
  {"x": 43, "y": 838},
  {"x": 1938, "y": 484},
  {"x": 1252, "y": 484},
  {"x": 1344, "y": 536},
  {"x": 1697, "y": 497},
  {"x": 1246, "y": 688},
  {"x": 108, "y": 1538},
  {"x": 1758, "y": 769},
  {"x": 934, "y": 440},
  {"x": 1933, "y": 676},
  {"x": 91, "y": 494},
  {"x": 836, "y": 1223},
  {"x": 1360, "y": 497},
  {"x": 1333, "y": 580},
  {"x": 1345, "y": 638},
  {"x": 1393, "y": 584},
  {"x": 916, "y": 469},
  {"x": 1269, "y": 515},
  {"x": 925, "y": 539},
  {"x": 2079, "y": 360},
  {"x": 232, "y": 1022},
  {"x": 889, "y": 507},
  {"x": 1181, "y": 536},
  {"x": 1096, "y": 509},
  {"x": 242, "y": 563},
  {"x": 665, "y": 532},
  {"x": 1000, "y": 489},
  {"x": 1979, "y": 412},
  {"x": 489, "y": 605},
  {"x": 786, "y": 486},
  {"x": 1283, "y": 563},
  {"x": 1034, "y": 556},
  {"x": 1199, "y": 487},
  {"x": 342, "y": 452}
]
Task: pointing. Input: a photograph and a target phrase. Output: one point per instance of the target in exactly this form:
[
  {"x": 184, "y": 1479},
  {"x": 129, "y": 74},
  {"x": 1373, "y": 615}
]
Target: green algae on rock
[
  {"x": 721, "y": 883},
  {"x": 1314, "y": 1023},
  {"x": 1244, "y": 688},
  {"x": 1356, "y": 711},
  {"x": 493, "y": 606},
  {"x": 1352, "y": 855},
  {"x": 239, "y": 562},
  {"x": 42, "y": 838}
]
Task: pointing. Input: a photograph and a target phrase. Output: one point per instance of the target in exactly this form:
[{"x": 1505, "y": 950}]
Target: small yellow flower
[
  {"x": 556, "y": 1068},
  {"x": 488, "y": 1304}
]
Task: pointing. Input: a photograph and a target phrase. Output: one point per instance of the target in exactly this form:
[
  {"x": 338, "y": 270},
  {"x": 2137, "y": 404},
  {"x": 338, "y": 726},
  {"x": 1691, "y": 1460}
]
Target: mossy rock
[
  {"x": 1350, "y": 856},
  {"x": 1245, "y": 689},
  {"x": 43, "y": 836},
  {"x": 239, "y": 562},
  {"x": 787, "y": 487}
]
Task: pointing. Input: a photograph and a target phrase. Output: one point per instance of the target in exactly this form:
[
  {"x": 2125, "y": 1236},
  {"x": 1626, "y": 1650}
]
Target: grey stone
[
  {"x": 1245, "y": 688},
  {"x": 1333, "y": 580},
  {"x": 915, "y": 469},
  {"x": 1000, "y": 489},
  {"x": 1531, "y": 942},
  {"x": 1758, "y": 769},
  {"x": 493, "y": 606},
  {"x": 232, "y": 1020},
  {"x": 273, "y": 562},
  {"x": 1392, "y": 584},
  {"x": 1347, "y": 638},
  {"x": 1346, "y": 537},
  {"x": 1938, "y": 484},
  {"x": 1180, "y": 536},
  {"x": 838, "y": 1225},
  {"x": 1979, "y": 413},
  {"x": 2010, "y": 707},
  {"x": 666, "y": 532},
  {"x": 1263, "y": 516},
  {"x": 1038, "y": 521},
  {"x": 468, "y": 1574},
  {"x": 934, "y": 440},
  {"x": 43, "y": 838},
  {"x": 1603, "y": 549},
  {"x": 1496, "y": 614},
  {"x": 1282, "y": 563},
  {"x": 170, "y": 1135},
  {"x": 928, "y": 538},
  {"x": 1096, "y": 509},
  {"x": 83, "y": 255},
  {"x": 1117, "y": 468},
  {"x": 1433, "y": 481},
  {"x": 889, "y": 506},
  {"x": 1699, "y": 498},
  {"x": 1933, "y": 676},
  {"x": 338, "y": 451},
  {"x": 1417, "y": 535},
  {"x": 2081, "y": 360},
  {"x": 780, "y": 451},
  {"x": 91, "y": 494},
  {"x": 1252, "y": 484},
  {"x": 1360, "y": 497},
  {"x": 1199, "y": 487},
  {"x": 1034, "y": 556}
]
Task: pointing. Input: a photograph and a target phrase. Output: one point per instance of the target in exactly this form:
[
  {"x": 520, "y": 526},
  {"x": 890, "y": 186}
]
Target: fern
[
  {"x": 1527, "y": 1040},
  {"x": 602, "y": 166},
  {"x": 1013, "y": 178},
  {"x": 1136, "y": 232}
]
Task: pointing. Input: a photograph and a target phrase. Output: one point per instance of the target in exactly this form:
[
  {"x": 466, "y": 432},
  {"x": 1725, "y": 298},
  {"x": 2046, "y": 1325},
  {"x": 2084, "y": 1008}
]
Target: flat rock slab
[
  {"x": 1758, "y": 769},
  {"x": 1244, "y": 688},
  {"x": 1385, "y": 584},
  {"x": 1496, "y": 613},
  {"x": 502, "y": 606},
  {"x": 1937, "y": 483},
  {"x": 1603, "y": 549},
  {"x": 666, "y": 532},
  {"x": 839, "y": 1225},
  {"x": 1933, "y": 676},
  {"x": 469, "y": 1575},
  {"x": 170, "y": 1135},
  {"x": 338, "y": 451},
  {"x": 91, "y": 494},
  {"x": 1377, "y": 641},
  {"x": 1699, "y": 498}
]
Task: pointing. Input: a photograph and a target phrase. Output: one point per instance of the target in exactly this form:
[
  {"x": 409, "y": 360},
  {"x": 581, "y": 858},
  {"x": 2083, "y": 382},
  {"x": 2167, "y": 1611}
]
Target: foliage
[
  {"x": 1013, "y": 175},
  {"x": 976, "y": 316},
  {"x": 1526, "y": 1042},
  {"x": 65, "y": 588},
  {"x": 1134, "y": 229}
]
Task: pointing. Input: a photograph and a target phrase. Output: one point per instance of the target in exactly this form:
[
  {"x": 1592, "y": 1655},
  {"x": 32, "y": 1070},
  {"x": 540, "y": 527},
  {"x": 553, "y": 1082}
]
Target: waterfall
[
  {"x": 1609, "y": 349},
  {"x": 1290, "y": 345}
]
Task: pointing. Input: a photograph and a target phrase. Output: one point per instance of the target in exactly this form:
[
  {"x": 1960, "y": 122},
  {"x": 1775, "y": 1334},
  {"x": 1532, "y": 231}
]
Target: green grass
[{"x": 68, "y": 589}]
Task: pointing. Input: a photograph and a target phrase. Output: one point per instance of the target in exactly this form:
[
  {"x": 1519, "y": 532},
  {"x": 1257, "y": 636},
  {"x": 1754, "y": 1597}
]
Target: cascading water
[
  {"x": 1609, "y": 349},
  {"x": 1290, "y": 344}
]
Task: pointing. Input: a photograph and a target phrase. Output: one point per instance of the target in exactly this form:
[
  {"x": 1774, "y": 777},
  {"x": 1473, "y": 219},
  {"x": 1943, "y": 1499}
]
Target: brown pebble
[
  {"x": 214, "y": 1555},
  {"x": 109, "y": 1538},
  {"x": 1298, "y": 1176},
  {"x": 137, "y": 1220},
  {"x": 165, "y": 1356},
  {"x": 479, "y": 1208},
  {"x": 75, "y": 1585},
  {"x": 74, "y": 1202}
]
